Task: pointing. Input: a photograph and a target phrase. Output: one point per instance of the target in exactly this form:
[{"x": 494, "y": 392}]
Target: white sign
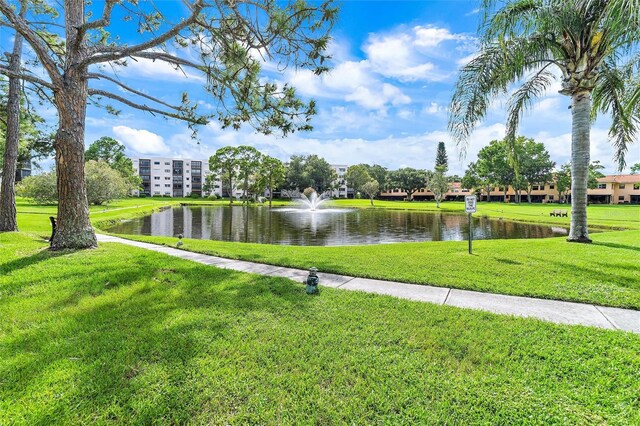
[{"x": 470, "y": 203}]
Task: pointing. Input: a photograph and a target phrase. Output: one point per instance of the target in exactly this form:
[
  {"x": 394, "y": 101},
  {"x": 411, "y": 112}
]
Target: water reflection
[{"x": 324, "y": 227}]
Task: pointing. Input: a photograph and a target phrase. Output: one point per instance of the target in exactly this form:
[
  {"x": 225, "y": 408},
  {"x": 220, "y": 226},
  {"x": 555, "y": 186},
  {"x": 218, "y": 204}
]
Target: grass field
[
  {"x": 119, "y": 335},
  {"x": 603, "y": 273},
  {"x": 606, "y": 272},
  {"x": 599, "y": 216}
]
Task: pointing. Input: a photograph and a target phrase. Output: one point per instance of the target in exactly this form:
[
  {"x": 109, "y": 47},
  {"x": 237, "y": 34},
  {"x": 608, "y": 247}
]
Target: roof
[{"x": 620, "y": 179}]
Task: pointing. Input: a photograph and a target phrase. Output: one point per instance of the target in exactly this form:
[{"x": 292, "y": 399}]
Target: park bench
[{"x": 559, "y": 213}]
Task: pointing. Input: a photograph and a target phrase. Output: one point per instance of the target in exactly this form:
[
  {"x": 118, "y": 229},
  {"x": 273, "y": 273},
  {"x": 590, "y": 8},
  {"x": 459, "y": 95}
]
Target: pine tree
[{"x": 442, "y": 161}]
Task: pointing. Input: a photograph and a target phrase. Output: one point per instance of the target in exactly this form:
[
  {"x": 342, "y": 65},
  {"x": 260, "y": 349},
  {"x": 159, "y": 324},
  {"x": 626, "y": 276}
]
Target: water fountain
[{"x": 312, "y": 201}]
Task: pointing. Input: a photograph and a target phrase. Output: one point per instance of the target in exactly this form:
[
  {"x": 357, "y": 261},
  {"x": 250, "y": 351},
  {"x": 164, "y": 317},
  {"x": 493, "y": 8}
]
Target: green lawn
[
  {"x": 606, "y": 272},
  {"x": 599, "y": 215},
  {"x": 120, "y": 335}
]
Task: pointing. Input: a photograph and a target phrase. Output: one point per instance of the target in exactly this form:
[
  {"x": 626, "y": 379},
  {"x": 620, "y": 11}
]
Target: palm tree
[{"x": 594, "y": 46}]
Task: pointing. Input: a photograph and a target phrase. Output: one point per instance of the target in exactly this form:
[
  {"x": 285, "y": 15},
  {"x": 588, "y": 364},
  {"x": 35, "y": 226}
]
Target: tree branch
[
  {"x": 22, "y": 26},
  {"x": 142, "y": 107},
  {"x": 111, "y": 53},
  {"x": 104, "y": 21},
  {"x": 26, "y": 77},
  {"x": 97, "y": 76}
]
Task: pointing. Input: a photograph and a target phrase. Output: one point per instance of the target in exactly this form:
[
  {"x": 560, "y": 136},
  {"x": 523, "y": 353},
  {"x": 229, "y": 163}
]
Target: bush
[
  {"x": 42, "y": 188},
  {"x": 194, "y": 195},
  {"x": 104, "y": 183},
  {"x": 142, "y": 195}
]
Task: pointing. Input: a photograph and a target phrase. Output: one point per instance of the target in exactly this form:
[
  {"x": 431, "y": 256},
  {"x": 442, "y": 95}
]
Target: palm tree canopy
[{"x": 592, "y": 44}]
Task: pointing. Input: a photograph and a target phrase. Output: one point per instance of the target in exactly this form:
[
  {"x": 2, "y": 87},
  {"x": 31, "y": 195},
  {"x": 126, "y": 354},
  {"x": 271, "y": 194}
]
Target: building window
[
  {"x": 551, "y": 197},
  {"x": 534, "y": 187},
  {"x": 157, "y": 163},
  {"x": 621, "y": 186},
  {"x": 157, "y": 185},
  {"x": 156, "y": 178},
  {"x": 602, "y": 186},
  {"x": 167, "y": 178},
  {"x": 167, "y": 185},
  {"x": 636, "y": 186},
  {"x": 167, "y": 170},
  {"x": 621, "y": 198},
  {"x": 167, "y": 163},
  {"x": 552, "y": 186}
]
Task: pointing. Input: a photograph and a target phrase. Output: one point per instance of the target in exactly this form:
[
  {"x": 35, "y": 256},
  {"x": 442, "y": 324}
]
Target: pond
[{"x": 324, "y": 227}]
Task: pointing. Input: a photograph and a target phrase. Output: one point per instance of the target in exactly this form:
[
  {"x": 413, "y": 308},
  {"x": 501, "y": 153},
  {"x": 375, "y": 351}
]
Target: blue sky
[{"x": 385, "y": 100}]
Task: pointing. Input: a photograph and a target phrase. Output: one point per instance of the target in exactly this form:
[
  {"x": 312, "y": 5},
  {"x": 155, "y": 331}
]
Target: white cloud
[
  {"x": 406, "y": 54},
  {"x": 351, "y": 81},
  {"x": 140, "y": 140}
]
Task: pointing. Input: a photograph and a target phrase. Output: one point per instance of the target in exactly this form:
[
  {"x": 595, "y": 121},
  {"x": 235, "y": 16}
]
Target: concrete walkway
[{"x": 547, "y": 310}]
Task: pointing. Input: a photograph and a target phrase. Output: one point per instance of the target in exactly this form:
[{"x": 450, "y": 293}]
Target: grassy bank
[
  {"x": 605, "y": 272},
  {"x": 600, "y": 216},
  {"x": 119, "y": 335}
]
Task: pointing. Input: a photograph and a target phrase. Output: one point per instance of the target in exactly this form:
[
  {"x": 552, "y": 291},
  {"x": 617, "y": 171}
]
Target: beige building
[{"x": 612, "y": 189}]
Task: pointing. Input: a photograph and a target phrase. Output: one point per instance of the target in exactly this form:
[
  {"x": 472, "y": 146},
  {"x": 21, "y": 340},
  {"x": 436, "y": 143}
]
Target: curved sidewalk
[{"x": 547, "y": 310}]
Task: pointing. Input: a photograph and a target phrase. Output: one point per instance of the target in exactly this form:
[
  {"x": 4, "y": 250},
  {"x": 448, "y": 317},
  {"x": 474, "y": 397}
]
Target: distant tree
[
  {"x": 224, "y": 164},
  {"x": 248, "y": 162},
  {"x": 371, "y": 188},
  {"x": 534, "y": 162},
  {"x": 442, "y": 161},
  {"x": 635, "y": 168},
  {"x": 112, "y": 152},
  {"x": 321, "y": 175},
  {"x": 594, "y": 174},
  {"x": 357, "y": 176},
  {"x": 104, "y": 183},
  {"x": 408, "y": 180},
  {"x": 438, "y": 184},
  {"x": 271, "y": 174},
  {"x": 562, "y": 178},
  {"x": 493, "y": 166},
  {"x": 40, "y": 188},
  {"x": 296, "y": 178},
  {"x": 378, "y": 173},
  {"x": 454, "y": 178}
]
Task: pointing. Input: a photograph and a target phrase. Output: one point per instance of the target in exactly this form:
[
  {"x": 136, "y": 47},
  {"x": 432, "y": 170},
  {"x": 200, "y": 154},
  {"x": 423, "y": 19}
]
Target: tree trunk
[
  {"x": 74, "y": 228},
  {"x": 8, "y": 214},
  {"x": 270, "y": 196},
  {"x": 529, "y": 195},
  {"x": 488, "y": 190},
  {"x": 580, "y": 134},
  {"x": 371, "y": 199}
]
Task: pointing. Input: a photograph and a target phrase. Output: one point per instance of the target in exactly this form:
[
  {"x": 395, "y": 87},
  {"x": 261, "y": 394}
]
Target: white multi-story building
[
  {"x": 342, "y": 191},
  {"x": 173, "y": 177}
]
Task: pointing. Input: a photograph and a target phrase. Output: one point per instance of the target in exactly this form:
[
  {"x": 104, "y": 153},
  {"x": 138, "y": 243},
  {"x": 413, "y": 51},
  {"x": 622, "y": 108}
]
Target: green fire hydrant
[{"x": 312, "y": 281}]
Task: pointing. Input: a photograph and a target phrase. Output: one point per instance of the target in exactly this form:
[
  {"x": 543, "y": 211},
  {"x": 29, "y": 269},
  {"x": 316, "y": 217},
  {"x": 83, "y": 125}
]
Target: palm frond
[
  {"x": 519, "y": 17},
  {"x": 614, "y": 95},
  {"x": 522, "y": 99},
  {"x": 488, "y": 75}
]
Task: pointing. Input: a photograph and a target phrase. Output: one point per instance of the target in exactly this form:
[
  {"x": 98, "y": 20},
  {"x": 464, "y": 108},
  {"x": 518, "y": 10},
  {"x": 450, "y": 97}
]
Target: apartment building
[
  {"x": 172, "y": 177},
  {"x": 342, "y": 191},
  {"x": 612, "y": 189}
]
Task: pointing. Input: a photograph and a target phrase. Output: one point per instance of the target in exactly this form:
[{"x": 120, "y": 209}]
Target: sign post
[{"x": 470, "y": 207}]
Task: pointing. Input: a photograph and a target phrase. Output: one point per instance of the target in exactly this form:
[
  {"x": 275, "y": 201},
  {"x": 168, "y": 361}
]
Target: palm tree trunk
[
  {"x": 580, "y": 134},
  {"x": 8, "y": 214}
]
